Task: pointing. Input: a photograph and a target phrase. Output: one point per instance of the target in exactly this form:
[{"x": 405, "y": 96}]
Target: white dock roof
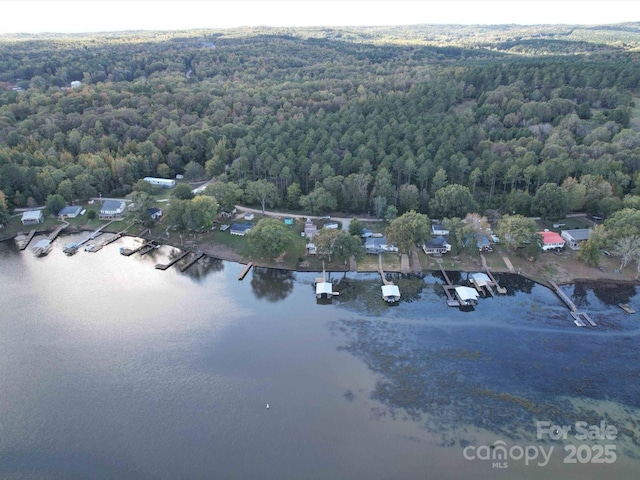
[
  {"x": 324, "y": 287},
  {"x": 467, "y": 293},
  {"x": 390, "y": 291}
]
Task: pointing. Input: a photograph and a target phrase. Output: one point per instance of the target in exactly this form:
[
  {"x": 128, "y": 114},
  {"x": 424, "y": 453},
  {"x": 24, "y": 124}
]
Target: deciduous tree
[
  {"x": 407, "y": 230},
  {"x": 453, "y": 201},
  {"x": 516, "y": 231},
  {"x": 270, "y": 238},
  {"x": 264, "y": 192}
]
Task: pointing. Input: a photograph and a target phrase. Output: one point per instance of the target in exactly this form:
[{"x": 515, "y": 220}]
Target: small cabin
[
  {"x": 32, "y": 217},
  {"x": 70, "y": 211},
  {"x": 240, "y": 229}
]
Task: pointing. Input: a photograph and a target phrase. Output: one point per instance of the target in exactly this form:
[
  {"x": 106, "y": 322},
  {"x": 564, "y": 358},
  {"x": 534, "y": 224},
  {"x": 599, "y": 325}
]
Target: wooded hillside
[{"x": 351, "y": 119}]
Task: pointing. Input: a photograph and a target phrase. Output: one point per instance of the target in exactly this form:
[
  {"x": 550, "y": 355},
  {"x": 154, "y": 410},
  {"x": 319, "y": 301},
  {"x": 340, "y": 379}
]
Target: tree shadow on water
[{"x": 271, "y": 284}]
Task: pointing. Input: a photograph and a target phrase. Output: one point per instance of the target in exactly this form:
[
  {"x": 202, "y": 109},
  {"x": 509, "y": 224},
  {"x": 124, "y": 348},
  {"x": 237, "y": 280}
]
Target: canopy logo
[{"x": 500, "y": 453}]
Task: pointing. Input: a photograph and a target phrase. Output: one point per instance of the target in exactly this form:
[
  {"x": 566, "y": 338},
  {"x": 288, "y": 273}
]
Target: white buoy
[{"x": 267, "y": 406}]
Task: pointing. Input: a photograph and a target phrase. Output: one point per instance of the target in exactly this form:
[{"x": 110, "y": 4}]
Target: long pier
[
  {"x": 25, "y": 243},
  {"x": 191, "y": 262},
  {"x": 245, "y": 271},
  {"x": 381, "y": 271},
  {"x": 578, "y": 317},
  {"x": 165, "y": 266},
  {"x": 128, "y": 251},
  {"x": 451, "y": 300}
]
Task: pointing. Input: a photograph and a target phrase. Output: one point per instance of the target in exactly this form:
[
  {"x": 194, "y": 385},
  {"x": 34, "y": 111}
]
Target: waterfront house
[
  {"x": 70, "y": 211},
  {"x": 550, "y": 241},
  {"x": 437, "y": 245},
  {"x": 483, "y": 243},
  {"x": 112, "y": 209},
  {"x": 240, "y": 229},
  {"x": 32, "y": 217},
  {"x": 437, "y": 229},
  {"x": 575, "y": 237},
  {"x": 377, "y": 245},
  {"x": 154, "y": 213}
]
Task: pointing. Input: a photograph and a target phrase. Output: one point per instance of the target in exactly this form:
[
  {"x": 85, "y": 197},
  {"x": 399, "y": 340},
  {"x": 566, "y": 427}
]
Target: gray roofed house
[
  {"x": 437, "y": 245},
  {"x": 154, "y": 212},
  {"x": 112, "y": 209},
  {"x": 379, "y": 245},
  {"x": 575, "y": 237},
  {"x": 31, "y": 217},
  {"x": 240, "y": 229},
  {"x": 71, "y": 211}
]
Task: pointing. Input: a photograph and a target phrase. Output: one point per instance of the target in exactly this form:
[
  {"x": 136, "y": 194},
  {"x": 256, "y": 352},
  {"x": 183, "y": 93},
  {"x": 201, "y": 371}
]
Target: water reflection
[
  {"x": 270, "y": 284},
  {"x": 203, "y": 267},
  {"x": 611, "y": 293}
]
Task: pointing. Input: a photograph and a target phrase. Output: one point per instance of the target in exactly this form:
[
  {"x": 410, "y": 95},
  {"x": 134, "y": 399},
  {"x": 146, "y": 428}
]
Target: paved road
[{"x": 344, "y": 221}]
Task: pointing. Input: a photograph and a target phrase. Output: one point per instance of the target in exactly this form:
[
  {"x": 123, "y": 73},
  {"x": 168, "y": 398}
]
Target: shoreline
[{"x": 223, "y": 253}]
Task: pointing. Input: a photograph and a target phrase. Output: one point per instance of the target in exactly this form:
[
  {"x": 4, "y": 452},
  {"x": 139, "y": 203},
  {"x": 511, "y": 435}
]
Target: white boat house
[
  {"x": 390, "y": 293},
  {"x": 467, "y": 296}
]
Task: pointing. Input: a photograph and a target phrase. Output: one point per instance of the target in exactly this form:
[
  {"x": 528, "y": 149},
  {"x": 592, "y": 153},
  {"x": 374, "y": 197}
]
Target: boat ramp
[{"x": 579, "y": 317}]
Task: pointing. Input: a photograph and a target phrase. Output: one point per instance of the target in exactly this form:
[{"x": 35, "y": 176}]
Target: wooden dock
[
  {"x": 152, "y": 245},
  {"x": 38, "y": 251},
  {"x": 245, "y": 271},
  {"x": 448, "y": 289},
  {"x": 627, "y": 308},
  {"x": 381, "y": 271},
  {"x": 25, "y": 243},
  {"x": 128, "y": 251},
  {"x": 579, "y": 317},
  {"x": 191, "y": 262},
  {"x": 164, "y": 266}
]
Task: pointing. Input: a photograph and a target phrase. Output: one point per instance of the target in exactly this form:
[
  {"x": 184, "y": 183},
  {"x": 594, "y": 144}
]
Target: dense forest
[{"x": 537, "y": 120}]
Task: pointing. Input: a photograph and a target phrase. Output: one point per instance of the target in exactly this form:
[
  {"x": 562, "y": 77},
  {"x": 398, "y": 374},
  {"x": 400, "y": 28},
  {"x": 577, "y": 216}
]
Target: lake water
[{"x": 111, "y": 369}]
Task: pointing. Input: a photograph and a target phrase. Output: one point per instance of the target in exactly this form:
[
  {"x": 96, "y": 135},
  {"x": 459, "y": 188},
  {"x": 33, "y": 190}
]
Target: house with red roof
[{"x": 551, "y": 240}]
